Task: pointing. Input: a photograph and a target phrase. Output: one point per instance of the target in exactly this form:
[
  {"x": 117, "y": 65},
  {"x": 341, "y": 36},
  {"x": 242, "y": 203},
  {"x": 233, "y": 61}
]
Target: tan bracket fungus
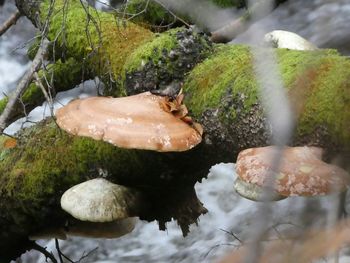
[
  {"x": 137, "y": 122},
  {"x": 301, "y": 171}
]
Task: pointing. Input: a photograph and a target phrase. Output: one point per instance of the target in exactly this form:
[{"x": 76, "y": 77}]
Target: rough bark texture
[{"x": 221, "y": 93}]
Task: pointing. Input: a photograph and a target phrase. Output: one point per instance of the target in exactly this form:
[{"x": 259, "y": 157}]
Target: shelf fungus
[
  {"x": 143, "y": 121},
  {"x": 301, "y": 172},
  {"x": 289, "y": 40},
  {"x": 99, "y": 200}
]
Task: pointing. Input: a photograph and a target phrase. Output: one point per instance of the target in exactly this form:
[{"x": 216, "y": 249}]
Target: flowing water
[{"x": 324, "y": 23}]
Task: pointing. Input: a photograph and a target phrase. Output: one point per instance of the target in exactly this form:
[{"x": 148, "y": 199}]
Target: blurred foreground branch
[{"x": 313, "y": 245}]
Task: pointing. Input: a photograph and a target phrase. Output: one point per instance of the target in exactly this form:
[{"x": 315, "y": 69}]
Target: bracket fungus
[
  {"x": 137, "y": 122},
  {"x": 99, "y": 200},
  {"x": 301, "y": 171},
  {"x": 286, "y": 39}
]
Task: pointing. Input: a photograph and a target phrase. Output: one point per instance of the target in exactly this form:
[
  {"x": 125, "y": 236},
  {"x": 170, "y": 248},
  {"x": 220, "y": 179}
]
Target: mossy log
[{"x": 221, "y": 93}]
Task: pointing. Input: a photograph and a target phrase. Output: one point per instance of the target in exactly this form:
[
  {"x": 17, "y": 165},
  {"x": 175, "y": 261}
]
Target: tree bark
[{"x": 221, "y": 93}]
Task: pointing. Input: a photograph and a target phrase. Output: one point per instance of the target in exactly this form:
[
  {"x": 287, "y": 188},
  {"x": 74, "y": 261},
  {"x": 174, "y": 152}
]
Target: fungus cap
[
  {"x": 137, "y": 122},
  {"x": 99, "y": 200},
  {"x": 286, "y": 39},
  {"x": 301, "y": 171}
]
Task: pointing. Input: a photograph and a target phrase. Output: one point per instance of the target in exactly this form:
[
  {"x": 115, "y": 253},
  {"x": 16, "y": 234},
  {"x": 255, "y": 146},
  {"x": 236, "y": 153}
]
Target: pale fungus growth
[
  {"x": 301, "y": 171},
  {"x": 289, "y": 40},
  {"x": 99, "y": 200},
  {"x": 138, "y": 122}
]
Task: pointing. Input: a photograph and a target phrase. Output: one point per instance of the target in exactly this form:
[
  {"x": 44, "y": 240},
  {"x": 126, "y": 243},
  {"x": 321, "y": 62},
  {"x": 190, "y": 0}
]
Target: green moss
[
  {"x": 151, "y": 51},
  {"x": 148, "y": 13},
  {"x": 57, "y": 160},
  {"x": 330, "y": 97},
  {"x": 229, "y": 3},
  {"x": 99, "y": 39},
  {"x": 294, "y": 63},
  {"x": 33, "y": 48},
  {"x": 3, "y": 103},
  {"x": 318, "y": 84},
  {"x": 229, "y": 69}
]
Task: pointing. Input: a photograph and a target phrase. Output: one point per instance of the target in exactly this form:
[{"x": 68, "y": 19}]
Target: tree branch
[
  {"x": 9, "y": 22},
  {"x": 43, "y": 250},
  {"x": 23, "y": 84}
]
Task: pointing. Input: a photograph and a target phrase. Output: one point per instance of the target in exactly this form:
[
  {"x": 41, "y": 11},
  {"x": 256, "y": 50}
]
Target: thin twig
[
  {"x": 43, "y": 250},
  {"x": 60, "y": 253},
  {"x": 46, "y": 95},
  {"x": 173, "y": 14},
  {"x": 23, "y": 84},
  {"x": 9, "y": 22},
  {"x": 219, "y": 245},
  {"x": 87, "y": 254},
  {"x": 57, "y": 245},
  {"x": 232, "y": 234}
]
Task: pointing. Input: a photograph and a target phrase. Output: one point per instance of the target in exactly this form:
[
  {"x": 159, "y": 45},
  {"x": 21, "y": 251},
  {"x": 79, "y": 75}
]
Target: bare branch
[
  {"x": 9, "y": 22},
  {"x": 23, "y": 84},
  {"x": 43, "y": 250},
  {"x": 46, "y": 95}
]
